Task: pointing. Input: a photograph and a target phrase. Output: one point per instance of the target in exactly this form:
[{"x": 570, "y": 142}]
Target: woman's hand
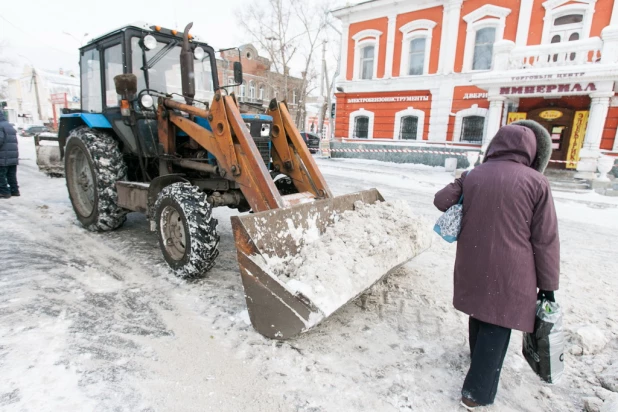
[{"x": 545, "y": 294}]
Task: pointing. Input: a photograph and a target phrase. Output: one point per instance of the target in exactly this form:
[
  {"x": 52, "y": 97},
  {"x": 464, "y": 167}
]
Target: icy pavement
[{"x": 95, "y": 322}]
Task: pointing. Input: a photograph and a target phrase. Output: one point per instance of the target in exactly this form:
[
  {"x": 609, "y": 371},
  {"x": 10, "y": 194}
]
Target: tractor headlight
[
  {"x": 199, "y": 53},
  {"x": 147, "y": 101},
  {"x": 150, "y": 42}
]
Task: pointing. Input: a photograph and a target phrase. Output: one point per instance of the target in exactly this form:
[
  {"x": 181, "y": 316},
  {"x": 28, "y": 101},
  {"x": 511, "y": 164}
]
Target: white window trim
[
  {"x": 410, "y": 111},
  {"x": 361, "y": 112},
  {"x": 556, "y": 8},
  {"x": 474, "y": 110},
  {"x": 478, "y": 20},
  {"x": 413, "y": 30},
  {"x": 366, "y": 38}
]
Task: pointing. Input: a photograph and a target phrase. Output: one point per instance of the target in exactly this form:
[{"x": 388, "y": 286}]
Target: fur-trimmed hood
[{"x": 524, "y": 141}]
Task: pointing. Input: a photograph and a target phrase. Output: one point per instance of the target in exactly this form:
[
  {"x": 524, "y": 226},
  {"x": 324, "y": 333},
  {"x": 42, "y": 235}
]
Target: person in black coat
[{"x": 9, "y": 159}]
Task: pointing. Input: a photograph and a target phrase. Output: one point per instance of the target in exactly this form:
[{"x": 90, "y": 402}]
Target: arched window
[
  {"x": 366, "y": 54},
  {"x": 485, "y": 26},
  {"x": 361, "y": 124},
  {"x": 565, "y": 17},
  {"x": 261, "y": 93},
  {"x": 361, "y": 127},
  {"x": 243, "y": 88},
  {"x": 472, "y": 129},
  {"x": 409, "y": 124},
  {"x": 484, "y": 48},
  {"x": 470, "y": 125},
  {"x": 416, "y": 47}
]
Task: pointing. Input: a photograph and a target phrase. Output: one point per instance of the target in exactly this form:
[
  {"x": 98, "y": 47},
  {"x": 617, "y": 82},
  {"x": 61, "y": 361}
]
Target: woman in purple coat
[{"x": 508, "y": 247}]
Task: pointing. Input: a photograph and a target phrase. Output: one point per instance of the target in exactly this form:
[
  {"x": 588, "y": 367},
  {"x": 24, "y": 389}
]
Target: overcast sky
[{"x": 32, "y": 30}]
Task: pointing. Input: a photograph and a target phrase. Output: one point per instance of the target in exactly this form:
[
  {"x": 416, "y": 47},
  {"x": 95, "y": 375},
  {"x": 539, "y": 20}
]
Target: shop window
[
  {"x": 472, "y": 129},
  {"x": 483, "y": 48},
  {"x": 361, "y": 127}
]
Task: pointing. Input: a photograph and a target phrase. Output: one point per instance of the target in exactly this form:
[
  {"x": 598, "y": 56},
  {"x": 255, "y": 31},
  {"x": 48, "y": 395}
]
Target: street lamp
[{"x": 81, "y": 42}]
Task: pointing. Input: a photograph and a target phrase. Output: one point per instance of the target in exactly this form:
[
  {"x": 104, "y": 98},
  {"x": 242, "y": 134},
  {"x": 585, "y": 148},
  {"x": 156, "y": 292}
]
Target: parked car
[
  {"x": 32, "y": 130},
  {"x": 312, "y": 141}
]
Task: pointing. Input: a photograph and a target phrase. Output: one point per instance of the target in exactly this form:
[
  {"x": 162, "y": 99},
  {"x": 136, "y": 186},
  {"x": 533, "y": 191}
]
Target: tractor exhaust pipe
[{"x": 187, "y": 69}]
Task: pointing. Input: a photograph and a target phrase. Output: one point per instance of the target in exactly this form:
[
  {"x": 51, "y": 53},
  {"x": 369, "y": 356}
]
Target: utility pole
[
  {"x": 36, "y": 93},
  {"x": 323, "y": 76}
]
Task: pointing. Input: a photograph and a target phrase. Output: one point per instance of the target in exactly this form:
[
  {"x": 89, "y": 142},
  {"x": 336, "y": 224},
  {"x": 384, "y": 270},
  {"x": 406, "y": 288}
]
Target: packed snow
[
  {"x": 352, "y": 254},
  {"x": 97, "y": 322}
]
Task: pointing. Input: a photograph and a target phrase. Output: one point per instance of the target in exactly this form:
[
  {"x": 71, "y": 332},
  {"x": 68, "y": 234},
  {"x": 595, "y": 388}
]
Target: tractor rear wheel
[
  {"x": 93, "y": 164},
  {"x": 186, "y": 229}
]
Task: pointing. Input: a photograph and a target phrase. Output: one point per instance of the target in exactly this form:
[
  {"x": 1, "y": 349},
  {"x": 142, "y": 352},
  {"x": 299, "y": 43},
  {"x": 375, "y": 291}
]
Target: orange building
[{"x": 451, "y": 72}]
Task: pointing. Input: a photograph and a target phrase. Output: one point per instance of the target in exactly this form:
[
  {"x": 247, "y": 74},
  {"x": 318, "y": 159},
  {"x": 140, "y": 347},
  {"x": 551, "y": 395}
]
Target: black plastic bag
[{"x": 544, "y": 349}]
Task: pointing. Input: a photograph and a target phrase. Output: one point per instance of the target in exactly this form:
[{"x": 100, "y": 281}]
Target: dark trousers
[
  {"x": 488, "y": 345},
  {"x": 8, "y": 180}
]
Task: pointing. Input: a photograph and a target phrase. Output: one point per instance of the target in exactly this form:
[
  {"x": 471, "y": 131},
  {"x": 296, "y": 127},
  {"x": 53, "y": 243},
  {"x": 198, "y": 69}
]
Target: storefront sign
[
  {"x": 547, "y": 76},
  {"x": 550, "y": 114},
  {"x": 580, "y": 124},
  {"x": 392, "y": 99},
  {"x": 548, "y": 89},
  {"x": 514, "y": 117},
  {"x": 468, "y": 96}
]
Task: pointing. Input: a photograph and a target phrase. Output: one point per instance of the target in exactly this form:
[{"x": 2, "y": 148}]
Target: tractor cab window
[
  {"x": 164, "y": 74},
  {"x": 91, "y": 81},
  {"x": 112, "y": 57}
]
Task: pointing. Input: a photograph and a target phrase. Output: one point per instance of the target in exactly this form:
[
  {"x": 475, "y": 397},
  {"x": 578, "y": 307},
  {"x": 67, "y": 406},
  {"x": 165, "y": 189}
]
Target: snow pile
[
  {"x": 351, "y": 255},
  {"x": 591, "y": 339}
]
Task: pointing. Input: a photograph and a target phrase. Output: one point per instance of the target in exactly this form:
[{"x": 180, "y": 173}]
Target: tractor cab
[{"x": 154, "y": 55}]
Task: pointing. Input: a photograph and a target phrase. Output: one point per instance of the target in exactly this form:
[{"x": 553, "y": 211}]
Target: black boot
[{"x": 15, "y": 193}]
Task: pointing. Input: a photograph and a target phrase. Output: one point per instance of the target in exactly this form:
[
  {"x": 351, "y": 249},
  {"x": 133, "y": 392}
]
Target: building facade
[
  {"x": 36, "y": 97},
  {"x": 451, "y": 72},
  {"x": 260, "y": 83}
]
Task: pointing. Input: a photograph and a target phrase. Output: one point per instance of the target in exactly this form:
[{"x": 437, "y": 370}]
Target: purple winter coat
[{"x": 508, "y": 246}]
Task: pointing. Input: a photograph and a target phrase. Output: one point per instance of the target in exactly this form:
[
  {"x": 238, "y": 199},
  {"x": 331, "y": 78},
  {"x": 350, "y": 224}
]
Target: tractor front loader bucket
[
  {"x": 48, "y": 154},
  {"x": 275, "y": 311}
]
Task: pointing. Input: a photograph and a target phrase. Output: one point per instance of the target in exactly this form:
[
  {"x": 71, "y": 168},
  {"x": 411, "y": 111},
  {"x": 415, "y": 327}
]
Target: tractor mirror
[
  {"x": 126, "y": 85},
  {"x": 237, "y": 73}
]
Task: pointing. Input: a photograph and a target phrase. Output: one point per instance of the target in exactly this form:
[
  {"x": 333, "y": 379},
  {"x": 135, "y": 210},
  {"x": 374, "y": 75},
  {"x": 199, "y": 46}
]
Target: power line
[{"x": 25, "y": 32}]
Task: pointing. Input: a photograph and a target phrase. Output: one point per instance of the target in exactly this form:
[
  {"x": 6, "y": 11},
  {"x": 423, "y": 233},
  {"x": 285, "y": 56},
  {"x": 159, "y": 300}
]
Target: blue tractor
[{"x": 158, "y": 134}]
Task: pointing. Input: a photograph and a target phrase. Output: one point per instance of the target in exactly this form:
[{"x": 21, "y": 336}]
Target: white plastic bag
[{"x": 544, "y": 348}]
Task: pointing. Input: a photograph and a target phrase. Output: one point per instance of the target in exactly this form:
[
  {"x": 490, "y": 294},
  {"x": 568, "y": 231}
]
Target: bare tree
[
  {"x": 269, "y": 23},
  {"x": 4, "y": 64},
  {"x": 290, "y": 32},
  {"x": 314, "y": 19}
]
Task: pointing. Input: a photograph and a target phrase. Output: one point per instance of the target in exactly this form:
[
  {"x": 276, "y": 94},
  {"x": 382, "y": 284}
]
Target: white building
[{"x": 30, "y": 96}]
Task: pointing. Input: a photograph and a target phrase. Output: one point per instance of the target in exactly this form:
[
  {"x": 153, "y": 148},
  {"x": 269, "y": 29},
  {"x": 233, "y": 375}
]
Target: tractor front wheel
[
  {"x": 186, "y": 229},
  {"x": 93, "y": 165}
]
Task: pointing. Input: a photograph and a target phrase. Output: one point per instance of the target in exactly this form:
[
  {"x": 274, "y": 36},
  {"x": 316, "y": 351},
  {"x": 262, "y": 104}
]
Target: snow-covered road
[{"x": 95, "y": 322}]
